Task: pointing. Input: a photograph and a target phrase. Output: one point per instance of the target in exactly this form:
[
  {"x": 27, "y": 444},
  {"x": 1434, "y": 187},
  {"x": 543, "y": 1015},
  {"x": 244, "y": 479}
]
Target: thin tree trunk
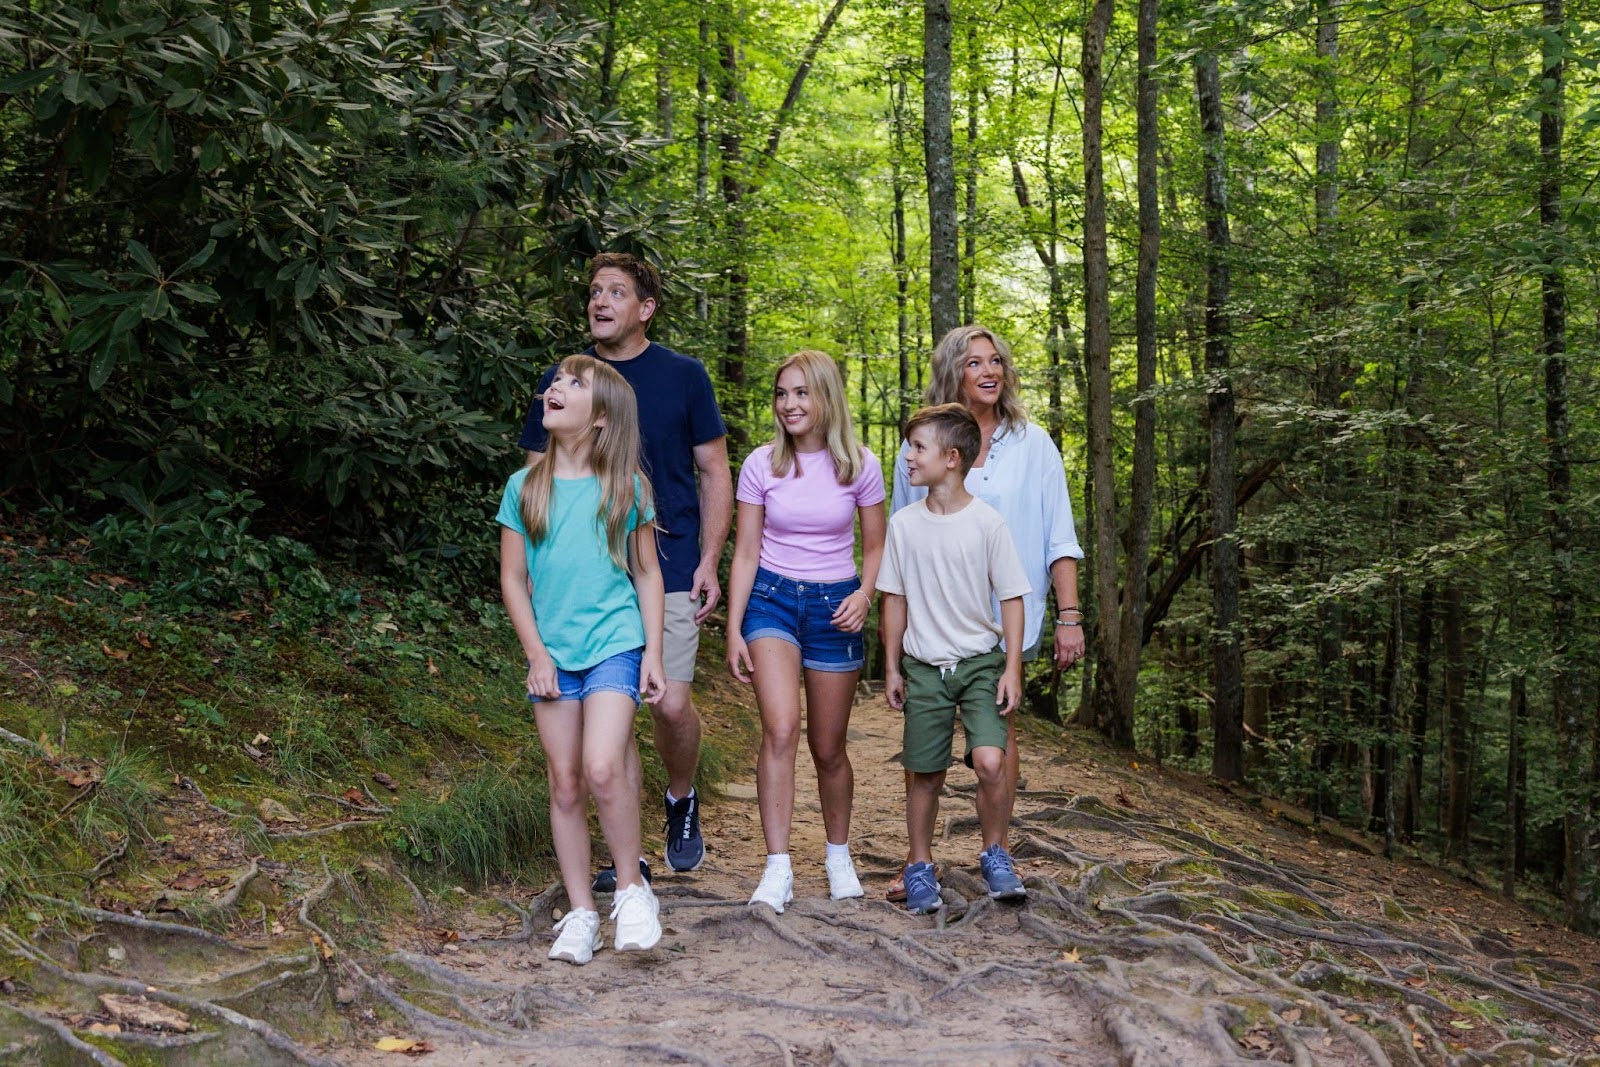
[
  {"x": 702, "y": 144},
  {"x": 1227, "y": 657},
  {"x": 938, "y": 141},
  {"x": 1457, "y": 740},
  {"x": 1566, "y": 688},
  {"x": 1097, "y": 357},
  {"x": 969, "y": 225},
  {"x": 736, "y": 336},
  {"x": 902, "y": 271},
  {"x": 1141, "y": 495},
  {"x": 1420, "y": 708}
]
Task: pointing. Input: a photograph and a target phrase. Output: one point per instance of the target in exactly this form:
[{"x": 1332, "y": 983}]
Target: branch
[{"x": 791, "y": 98}]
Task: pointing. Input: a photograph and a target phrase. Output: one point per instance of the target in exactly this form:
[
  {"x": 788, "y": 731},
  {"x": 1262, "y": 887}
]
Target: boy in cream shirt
[{"x": 946, "y": 559}]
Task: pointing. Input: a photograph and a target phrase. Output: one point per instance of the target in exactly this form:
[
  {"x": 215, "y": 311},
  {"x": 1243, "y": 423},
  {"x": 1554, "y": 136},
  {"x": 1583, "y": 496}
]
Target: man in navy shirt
[{"x": 684, "y": 437}]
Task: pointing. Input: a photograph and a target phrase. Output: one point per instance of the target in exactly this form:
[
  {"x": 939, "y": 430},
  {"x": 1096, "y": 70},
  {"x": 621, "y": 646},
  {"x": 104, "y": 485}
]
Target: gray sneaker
[{"x": 1001, "y": 874}]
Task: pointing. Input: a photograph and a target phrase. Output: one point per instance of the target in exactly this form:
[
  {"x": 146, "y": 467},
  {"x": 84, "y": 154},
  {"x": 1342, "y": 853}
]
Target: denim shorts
[
  {"x": 801, "y": 613},
  {"x": 614, "y": 674}
]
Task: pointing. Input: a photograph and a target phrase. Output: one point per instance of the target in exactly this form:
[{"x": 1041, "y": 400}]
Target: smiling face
[
  {"x": 617, "y": 317},
  {"x": 796, "y": 410},
  {"x": 926, "y": 462},
  {"x": 569, "y": 404},
  {"x": 983, "y": 376}
]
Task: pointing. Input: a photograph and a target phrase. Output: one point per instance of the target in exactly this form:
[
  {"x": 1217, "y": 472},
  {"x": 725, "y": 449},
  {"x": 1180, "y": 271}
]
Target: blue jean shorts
[
  {"x": 801, "y": 613},
  {"x": 614, "y": 674}
]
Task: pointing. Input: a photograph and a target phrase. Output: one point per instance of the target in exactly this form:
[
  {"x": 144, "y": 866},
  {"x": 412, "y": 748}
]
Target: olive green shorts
[{"x": 934, "y": 695}]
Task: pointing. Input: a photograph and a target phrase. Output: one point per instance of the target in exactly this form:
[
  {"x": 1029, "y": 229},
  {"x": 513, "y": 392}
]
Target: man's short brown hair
[
  {"x": 952, "y": 426},
  {"x": 646, "y": 279}
]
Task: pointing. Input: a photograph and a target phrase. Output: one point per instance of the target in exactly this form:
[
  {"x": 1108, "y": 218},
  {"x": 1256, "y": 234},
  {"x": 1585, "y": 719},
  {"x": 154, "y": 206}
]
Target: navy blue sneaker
[
  {"x": 1001, "y": 874},
  {"x": 605, "y": 879},
  {"x": 922, "y": 889},
  {"x": 686, "y": 849}
]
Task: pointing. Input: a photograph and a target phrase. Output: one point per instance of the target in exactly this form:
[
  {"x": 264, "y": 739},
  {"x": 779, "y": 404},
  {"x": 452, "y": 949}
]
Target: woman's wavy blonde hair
[
  {"x": 826, "y": 386},
  {"x": 945, "y": 386},
  {"x": 613, "y": 454}
]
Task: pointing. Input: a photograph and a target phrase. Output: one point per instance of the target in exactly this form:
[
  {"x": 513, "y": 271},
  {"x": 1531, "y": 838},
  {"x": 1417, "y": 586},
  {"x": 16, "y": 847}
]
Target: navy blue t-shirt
[{"x": 677, "y": 411}]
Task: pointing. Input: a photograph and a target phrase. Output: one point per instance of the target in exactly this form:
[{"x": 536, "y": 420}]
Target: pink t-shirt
[{"x": 810, "y": 520}]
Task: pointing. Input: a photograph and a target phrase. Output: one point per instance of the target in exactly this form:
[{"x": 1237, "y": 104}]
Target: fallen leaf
[
  {"x": 1416, "y": 1040},
  {"x": 322, "y": 946},
  {"x": 114, "y": 653},
  {"x": 431, "y": 668},
  {"x": 1462, "y": 1024},
  {"x": 409, "y": 1045},
  {"x": 1351, "y": 1017},
  {"x": 385, "y": 781},
  {"x": 447, "y": 935},
  {"x": 354, "y": 795},
  {"x": 1292, "y": 1015},
  {"x": 1070, "y": 955},
  {"x": 104, "y": 1028},
  {"x": 1415, "y": 981},
  {"x": 145, "y": 1013},
  {"x": 274, "y": 811},
  {"x": 254, "y": 753},
  {"x": 143, "y": 639},
  {"x": 261, "y": 739},
  {"x": 77, "y": 778},
  {"x": 189, "y": 880}
]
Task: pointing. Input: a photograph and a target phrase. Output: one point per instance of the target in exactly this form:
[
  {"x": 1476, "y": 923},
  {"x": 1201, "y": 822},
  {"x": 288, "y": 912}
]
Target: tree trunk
[
  {"x": 1141, "y": 494},
  {"x": 1457, "y": 734},
  {"x": 1097, "y": 358},
  {"x": 1566, "y": 683},
  {"x": 1227, "y": 657},
  {"x": 902, "y": 271},
  {"x": 736, "y": 336},
  {"x": 938, "y": 142},
  {"x": 969, "y": 226},
  {"x": 1420, "y": 708},
  {"x": 702, "y": 145}
]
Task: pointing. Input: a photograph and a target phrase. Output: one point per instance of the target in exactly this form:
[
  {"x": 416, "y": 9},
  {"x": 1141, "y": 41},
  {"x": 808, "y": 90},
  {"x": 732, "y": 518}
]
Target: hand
[
  {"x": 652, "y": 679},
  {"x": 894, "y": 687},
  {"x": 1070, "y": 645},
  {"x": 542, "y": 681},
  {"x": 1008, "y": 694},
  {"x": 705, "y": 584},
  {"x": 739, "y": 664},
  {"x": 851, "y": 614}
]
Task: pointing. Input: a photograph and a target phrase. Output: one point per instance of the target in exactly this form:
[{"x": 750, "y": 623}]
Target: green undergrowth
[{"x": 319, "y": 685}]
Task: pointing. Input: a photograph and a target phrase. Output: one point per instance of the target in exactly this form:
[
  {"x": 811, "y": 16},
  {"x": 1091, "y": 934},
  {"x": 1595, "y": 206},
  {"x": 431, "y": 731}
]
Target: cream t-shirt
[{"x": 947, "y": 567}]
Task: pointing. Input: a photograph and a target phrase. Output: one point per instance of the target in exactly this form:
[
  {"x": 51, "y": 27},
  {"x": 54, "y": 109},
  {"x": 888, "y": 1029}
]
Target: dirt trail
[{"x": 1147, "y": 939}]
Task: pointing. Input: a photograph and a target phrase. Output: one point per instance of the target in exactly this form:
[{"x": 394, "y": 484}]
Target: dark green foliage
[{"x": 266, "y": 249}]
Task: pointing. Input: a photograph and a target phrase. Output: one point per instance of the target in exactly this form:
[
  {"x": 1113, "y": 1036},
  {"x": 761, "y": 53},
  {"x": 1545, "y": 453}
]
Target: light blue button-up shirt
[{"x": 1023, "y": 479}]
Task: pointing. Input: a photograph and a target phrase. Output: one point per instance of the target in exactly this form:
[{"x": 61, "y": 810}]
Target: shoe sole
[
  {"x": 687, "y": 870},
  {"x": 567, "y": 957},
  {"x": 926, "y": 911},
  {"x": 639, "y": 946},
  {"x": 1009, "y": 894},
  {"x": 850, "y": 896}
]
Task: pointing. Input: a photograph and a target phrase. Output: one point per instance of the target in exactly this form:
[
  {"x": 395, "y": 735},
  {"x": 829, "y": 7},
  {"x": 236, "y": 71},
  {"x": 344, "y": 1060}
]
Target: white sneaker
[
  {"x": 776, "y": 888},
  {"x": 577, "y": 936},
  {"x": 636, "y": 912},
  {"x": 842, "y": 880}
]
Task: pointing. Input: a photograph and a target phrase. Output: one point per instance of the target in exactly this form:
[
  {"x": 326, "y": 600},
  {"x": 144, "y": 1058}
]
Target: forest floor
[{"x": 1168, "y": 922}]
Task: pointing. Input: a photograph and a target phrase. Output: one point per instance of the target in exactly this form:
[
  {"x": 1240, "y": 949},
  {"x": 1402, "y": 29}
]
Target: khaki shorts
[
  {"x": 680, "y": 642},
  {"x": 933, "y": 697}
]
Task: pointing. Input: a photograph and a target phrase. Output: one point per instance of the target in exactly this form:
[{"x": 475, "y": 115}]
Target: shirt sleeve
[
  {"x": 753, "y": 477},
  {"x": 534, "y": 438},
  {"x": 869, "y": 483},
  {"x": 705, "y": 420},
  {"x": 1006, "y": 576},
  {"x": 1060, "y": 532},
  {"x": 889, "y": 570},
  {"x": 510, "y": 513},
  {"x": 639, "y": 516}
]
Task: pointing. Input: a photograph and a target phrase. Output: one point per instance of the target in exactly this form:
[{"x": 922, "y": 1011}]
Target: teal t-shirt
[{"x": 584, "y": 604}]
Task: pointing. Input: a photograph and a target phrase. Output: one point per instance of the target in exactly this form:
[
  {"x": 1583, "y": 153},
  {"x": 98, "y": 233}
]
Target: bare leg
[
  {"x": 989, "y": 764},
  {"x": 777, "y": 682},
  {"x": 829, "y": 698},
  {"x": 1013, "y": 773},
  {"x": 677, "y": 736},
  {"x": 607, "y": 737},
  {"x": 922, "y": 808},
  {"x": 561, "y": 733}
]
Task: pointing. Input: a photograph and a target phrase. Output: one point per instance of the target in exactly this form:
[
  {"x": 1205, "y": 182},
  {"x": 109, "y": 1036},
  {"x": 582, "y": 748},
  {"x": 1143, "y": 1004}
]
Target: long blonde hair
[
  {"x": 945, "y": 387},
  {"x": 613, "y": 454},
  {"x": 826, "y": 386}
]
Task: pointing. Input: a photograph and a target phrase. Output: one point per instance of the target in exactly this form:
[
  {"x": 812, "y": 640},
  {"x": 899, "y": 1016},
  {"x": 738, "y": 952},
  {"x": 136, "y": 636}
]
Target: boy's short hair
[
  {"x": 952, "y": 426},
  {"x": 646, "y": 279}
]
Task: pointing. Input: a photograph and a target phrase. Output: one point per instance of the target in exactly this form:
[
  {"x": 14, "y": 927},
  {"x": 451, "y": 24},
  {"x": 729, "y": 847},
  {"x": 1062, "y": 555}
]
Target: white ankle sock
[
  {"x": 838, "y": 851},
  {"x": 779, "y": 860}
]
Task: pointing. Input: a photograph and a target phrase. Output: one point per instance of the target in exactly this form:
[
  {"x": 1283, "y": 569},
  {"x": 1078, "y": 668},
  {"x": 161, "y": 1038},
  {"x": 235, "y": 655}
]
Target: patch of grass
[{"x": 487, "y": 827}]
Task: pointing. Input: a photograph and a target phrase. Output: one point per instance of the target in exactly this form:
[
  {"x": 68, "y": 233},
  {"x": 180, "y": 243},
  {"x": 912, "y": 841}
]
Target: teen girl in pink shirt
[{"x": 796, "y": 605}]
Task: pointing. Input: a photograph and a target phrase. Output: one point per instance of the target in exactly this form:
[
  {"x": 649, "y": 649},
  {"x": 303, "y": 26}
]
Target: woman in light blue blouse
[{"x": 1020, "y": 474}]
